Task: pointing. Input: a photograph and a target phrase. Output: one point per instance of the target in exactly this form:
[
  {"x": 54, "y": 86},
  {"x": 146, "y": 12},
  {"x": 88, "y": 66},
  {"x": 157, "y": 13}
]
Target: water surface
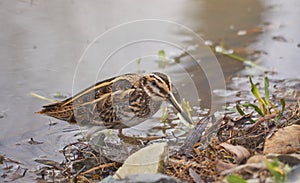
[{"x": 42, "y": 41}]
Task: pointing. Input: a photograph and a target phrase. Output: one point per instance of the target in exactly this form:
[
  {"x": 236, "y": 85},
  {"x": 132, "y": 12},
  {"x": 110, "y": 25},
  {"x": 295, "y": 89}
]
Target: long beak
[{"x": 174, "y": 102}]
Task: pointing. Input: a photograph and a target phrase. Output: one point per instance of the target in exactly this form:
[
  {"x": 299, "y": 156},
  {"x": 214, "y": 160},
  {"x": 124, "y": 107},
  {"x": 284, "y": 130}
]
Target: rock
[
  {"x": 149, "y": 160},
  {"x": 284, "y": 141},
  {"x": 143, "y": 178},
  {"x": 257, "y": 159},
  {"x": 108, "y": 179}
]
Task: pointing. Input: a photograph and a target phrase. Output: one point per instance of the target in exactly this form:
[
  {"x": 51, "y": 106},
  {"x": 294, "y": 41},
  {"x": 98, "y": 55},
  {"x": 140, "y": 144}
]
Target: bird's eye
[{"x": 153, "y": 83}]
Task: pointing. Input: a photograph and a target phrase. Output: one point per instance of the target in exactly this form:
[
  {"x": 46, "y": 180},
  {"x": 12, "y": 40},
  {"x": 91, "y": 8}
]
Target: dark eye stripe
[
  {"x": 162, "y": 78},
  {"x": 162, "y": 90}
]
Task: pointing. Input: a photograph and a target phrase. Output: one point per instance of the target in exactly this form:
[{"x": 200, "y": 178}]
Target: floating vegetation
[
  {"x": 59, "y": 95},
  {"x": 42, "y": 97},
  {"x": 220, "y": 49},
  {"x": 163, "y": 62},
  {"x": 138, "y": 62}
]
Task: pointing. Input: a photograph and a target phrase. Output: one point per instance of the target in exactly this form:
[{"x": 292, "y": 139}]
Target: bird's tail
[{"x": 60, "y": 111}]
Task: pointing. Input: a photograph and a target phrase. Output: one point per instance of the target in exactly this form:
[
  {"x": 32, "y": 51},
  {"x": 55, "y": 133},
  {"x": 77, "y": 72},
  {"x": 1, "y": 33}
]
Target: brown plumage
[{"x": 118, "y": 102}]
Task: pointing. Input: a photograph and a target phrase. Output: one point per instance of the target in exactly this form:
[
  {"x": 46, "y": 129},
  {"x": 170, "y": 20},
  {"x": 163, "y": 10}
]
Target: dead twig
[
  {"x": 260, "y": 121},
  {"x": 98, "y": 167},
  {"x": 77, "y": 173}
]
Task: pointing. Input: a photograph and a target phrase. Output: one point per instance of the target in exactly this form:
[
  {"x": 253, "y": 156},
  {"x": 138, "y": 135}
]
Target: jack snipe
[{"x": 118, "y": 102}]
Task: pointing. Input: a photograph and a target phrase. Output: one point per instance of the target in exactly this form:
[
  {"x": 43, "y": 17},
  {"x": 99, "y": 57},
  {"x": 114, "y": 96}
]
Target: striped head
[{"x": 159, "y": 87}]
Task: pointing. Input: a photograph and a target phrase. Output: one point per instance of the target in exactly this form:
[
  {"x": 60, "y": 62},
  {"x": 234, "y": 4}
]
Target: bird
[{"x": 118, "y": 102}]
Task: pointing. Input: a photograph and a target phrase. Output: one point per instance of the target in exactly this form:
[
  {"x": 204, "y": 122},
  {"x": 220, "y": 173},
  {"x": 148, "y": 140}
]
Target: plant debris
[
  {"x": 238, "y": 138},
  {"x": 82, "y": 163},
  {"x": 34, "y": 142}
]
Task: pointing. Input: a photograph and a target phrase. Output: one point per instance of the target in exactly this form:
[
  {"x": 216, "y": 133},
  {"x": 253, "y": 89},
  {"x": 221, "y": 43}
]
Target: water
[
  {"x": 281, "y": 41},
  {"x": 42, "y": 42}
]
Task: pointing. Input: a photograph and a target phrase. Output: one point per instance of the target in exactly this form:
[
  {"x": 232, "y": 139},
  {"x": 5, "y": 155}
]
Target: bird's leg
[
  {"x": 120, "y": 132},
  {"x": 135, "y": 140},
  {"x": 128, "y": 139}
]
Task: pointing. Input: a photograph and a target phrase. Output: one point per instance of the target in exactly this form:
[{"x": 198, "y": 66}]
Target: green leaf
[
  {"x": 187, "y": 108},
  {"x": 280, "y": 113},
  {"x": 161, "y": 54},
  {"x": 255, "y": 92},
  {"x": 238, "y": 108},
  {"x": 282, "y": 101},
  {"x": 59, "y": 95},
  {"x": 164, "y": 115},
  {"x": 235, "y": 179},
  {"x": 279, "y": 174},
  {"x": 267, "y": 95},
  {"x": 277, "y": 118},
  {"x": 162, "y": 59},
  {"x": 255, "y": 107},
  {"x": 138, "y": 61}
]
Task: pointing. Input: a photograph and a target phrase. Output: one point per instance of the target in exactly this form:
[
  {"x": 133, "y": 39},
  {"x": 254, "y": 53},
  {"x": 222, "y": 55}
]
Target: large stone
[
  {"x": 143, "y": 178},
  {"x": 149, "y": 160},
  {"x": 284, "y": 141}
]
